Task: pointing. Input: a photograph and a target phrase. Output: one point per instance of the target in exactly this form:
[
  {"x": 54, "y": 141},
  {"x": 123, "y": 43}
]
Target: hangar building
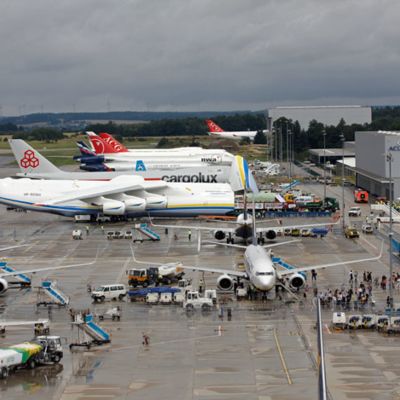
[
  {"x": 328, "y": 115},
  {"x": 372, "y": 165}
]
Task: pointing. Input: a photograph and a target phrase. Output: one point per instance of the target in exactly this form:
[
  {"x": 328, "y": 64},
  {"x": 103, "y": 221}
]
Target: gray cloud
[{"x": 196, "y": 54}]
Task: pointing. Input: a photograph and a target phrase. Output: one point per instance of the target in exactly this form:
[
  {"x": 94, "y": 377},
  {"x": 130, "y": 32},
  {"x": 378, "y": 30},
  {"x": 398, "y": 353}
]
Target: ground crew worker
[
  {"x": 313, "y": 275},
  {"x": 146, "y": 340},
  {"x": 87, "y": 230},
  {"x": 190, "y": 235}
]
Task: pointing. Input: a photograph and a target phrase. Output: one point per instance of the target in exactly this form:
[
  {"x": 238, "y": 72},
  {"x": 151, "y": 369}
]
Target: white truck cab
[{"x": 194, "y": 300}]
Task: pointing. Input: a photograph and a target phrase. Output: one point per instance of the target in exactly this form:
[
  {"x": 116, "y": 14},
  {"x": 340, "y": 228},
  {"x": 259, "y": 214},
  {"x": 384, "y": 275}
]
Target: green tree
[{"x": 260, "y": 138}]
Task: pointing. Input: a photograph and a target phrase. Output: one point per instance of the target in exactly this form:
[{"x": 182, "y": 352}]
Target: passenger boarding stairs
[
  {"x": 279, "y": 261},
  {"x": 51, "y": 291},
  {"x": 290, "y": 186},
  {"x": 92, "y": 332},
  {"x": 23, "y": 279},
  {"x": 145, "y": 230}
]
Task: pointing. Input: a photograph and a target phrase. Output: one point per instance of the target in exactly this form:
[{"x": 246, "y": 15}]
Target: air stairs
[
  {"x": 285, "y": 265},
  {"x": 146, "y": 231},
  {"x": 50, "y": 294},
  {"x": 89, "y": 332},
  {"x": 22, "y": 279}
]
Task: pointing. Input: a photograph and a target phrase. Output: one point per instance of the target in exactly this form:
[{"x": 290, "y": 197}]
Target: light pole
[
  {"x": 290, "y": 153},
  {"x": 324, "y": 135},
  {"x": 342, "y": 140},
  {"x": 389, "y": 159}
]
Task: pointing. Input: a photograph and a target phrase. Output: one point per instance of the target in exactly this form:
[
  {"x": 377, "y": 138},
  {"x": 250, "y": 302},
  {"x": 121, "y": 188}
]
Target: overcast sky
[{"x": 168, "y": 55}]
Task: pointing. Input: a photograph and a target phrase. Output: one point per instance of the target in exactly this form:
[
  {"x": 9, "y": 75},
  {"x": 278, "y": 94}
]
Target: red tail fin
[
  {"x": 118, "y": 147},
  {"x": 213, "y": 127},
  {"x": 99, "y": 145}
]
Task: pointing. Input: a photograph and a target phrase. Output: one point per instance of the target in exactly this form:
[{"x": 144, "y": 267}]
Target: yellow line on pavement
[{"x": 282, "y": 358}]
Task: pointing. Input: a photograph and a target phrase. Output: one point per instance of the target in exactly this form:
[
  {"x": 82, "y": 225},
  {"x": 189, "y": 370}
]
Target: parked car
[
  {"x": 367, "y": 228},
  {"x": 354, "y": 212}
]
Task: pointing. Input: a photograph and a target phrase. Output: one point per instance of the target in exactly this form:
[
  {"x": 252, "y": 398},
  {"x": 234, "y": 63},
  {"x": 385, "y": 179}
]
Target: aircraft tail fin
[
  {"x": 213, "y": 127},
  {"x": 99, "y": 145},
  {"x": 30, "y": 160},
  {"x": 241, "y": 177},
  {"x": 85, "y": 150},
  {"x": 118, "y": 146}
]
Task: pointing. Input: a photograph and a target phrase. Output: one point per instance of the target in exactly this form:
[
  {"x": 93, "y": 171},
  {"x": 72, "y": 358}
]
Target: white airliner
[
  {"x": 215, "y": 130},
  {"x": 33, "y": 165},
  {"x": 243, "y": 230},
  {"x": 262, "y": 273},
  {"x": 119, "y": 153},
  {"x": 128, "y": 196},
  {"x": 3, "y": 275}
]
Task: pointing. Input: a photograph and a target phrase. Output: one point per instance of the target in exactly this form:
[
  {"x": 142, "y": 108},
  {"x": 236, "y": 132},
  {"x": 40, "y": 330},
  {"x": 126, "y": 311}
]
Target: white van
[{"x": 109, "y": 292}]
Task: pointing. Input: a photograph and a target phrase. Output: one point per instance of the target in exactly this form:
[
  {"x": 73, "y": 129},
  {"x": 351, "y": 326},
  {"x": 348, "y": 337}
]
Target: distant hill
[{"x": 66, "y": 118}]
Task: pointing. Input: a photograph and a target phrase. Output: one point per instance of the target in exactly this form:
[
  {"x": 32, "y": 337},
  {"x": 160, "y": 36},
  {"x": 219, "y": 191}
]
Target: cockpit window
[{"x": 264, "y": 273}]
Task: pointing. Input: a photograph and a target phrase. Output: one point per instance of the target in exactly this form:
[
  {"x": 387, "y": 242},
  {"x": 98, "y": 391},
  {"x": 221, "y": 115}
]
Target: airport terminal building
[{"x": 372, "y": 165}]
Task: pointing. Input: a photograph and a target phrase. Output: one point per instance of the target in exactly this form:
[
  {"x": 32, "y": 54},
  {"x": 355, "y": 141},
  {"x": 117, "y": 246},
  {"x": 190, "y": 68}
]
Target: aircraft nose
[{"x": 266, "y": 283}]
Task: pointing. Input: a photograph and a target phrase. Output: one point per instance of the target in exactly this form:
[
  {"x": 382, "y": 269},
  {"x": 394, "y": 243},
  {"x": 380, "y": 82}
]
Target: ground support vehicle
[
  {"x": 166, "y": 298},
  {"x": 77, "y": 234},
  {"x": 339, "y": 321},
  {"x": 89, "y": 332},
  {"x": 152, "y": 298},
  {"x": 369, "y": 321},
  {"x": 194, "y": 300},
  {"x": 151, "y": 276},
  {"x": 109, "y": 292},
  {"x": 367, "y": 229},
  {"x": 360, "y": 196},
  {"x": 351, "y": 233},
  {"x": 113, "y": 313},
  {"x": 382, "y": 322},
  {"x": 42, "y": 350},
  {"x": 151, "y": 295},
  {"x": 354, "y": 212},
  {"x": 354, "y": 322},
  {"x": 50, "y": 294}
]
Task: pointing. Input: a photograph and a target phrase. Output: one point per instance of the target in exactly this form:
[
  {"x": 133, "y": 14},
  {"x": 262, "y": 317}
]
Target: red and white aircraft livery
[{"x": 215, "y": 130}]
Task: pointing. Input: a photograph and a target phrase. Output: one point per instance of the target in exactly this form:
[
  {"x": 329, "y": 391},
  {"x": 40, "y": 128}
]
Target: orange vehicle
[{"x": 361, "y": 196}]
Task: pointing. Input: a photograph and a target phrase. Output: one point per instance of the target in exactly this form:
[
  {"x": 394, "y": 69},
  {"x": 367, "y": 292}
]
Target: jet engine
[
  {"x": 271, "y": 234},
  {"x": 220, "y": 235},
  {"x": 90, "y": 159},
  {"x": 155, "y": 201},
  {"x": 297, "y": 281},
  {"x": 225, "y": 282},
  {"x": 113, "y": 207},
  {"x": 3, "y": 285},
  {"x": 132, "y": 203}
]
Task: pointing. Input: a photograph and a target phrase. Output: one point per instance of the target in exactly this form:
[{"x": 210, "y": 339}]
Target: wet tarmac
[{"x": 266, "y": 351}]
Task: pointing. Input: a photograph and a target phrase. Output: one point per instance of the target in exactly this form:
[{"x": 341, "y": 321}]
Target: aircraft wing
[
  {"x": 4, "y": 324},
  {"x": 280, "y": 228},
  {"x": 197, "y": 227},
  {"x": 35, "y": 270},
  {"x": 305, "y": 269},
  {"x": 120, "y": 184},
  {"x": 14, "y": 247},
  {"x": 239, "y": 274},
  {"x": 204, "y": 269}
]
